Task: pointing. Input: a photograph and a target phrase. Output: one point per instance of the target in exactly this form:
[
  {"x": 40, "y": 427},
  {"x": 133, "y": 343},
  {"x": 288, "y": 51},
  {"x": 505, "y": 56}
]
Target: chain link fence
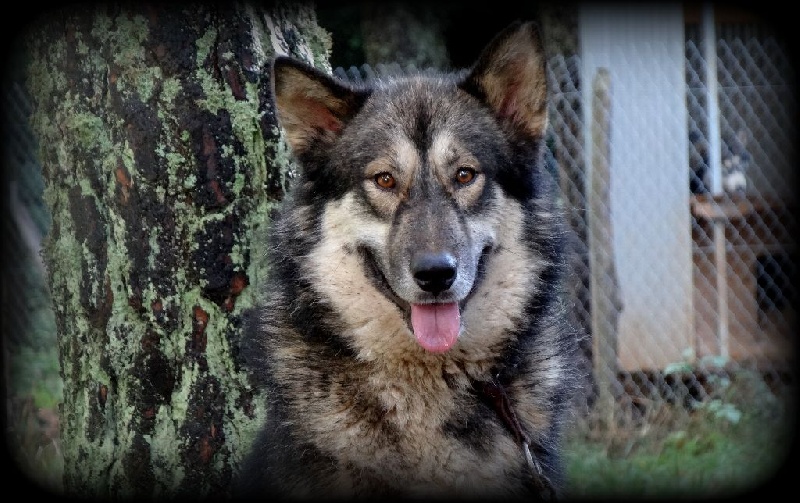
[
  {"x": 26, "y": 220},
  {"x": 31, "y": 376},
  {"x": 742, "y": 228}
]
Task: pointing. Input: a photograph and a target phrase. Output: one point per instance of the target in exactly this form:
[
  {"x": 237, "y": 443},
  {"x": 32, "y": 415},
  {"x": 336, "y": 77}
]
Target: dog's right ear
[
  {"x": 510, "y": 76},
  {"x": 311, "y": 105}
]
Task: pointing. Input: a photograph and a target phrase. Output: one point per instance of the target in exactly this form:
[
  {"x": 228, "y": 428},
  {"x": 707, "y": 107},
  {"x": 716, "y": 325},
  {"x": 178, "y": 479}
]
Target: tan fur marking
[
  {"x": 402, "y": 162},
  {"x": 363, "y": 307},
  {"x": 447, "y": 155}
]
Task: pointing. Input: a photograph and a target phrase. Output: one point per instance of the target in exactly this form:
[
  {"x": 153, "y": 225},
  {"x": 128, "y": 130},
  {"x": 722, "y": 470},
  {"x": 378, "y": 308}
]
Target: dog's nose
[{"x": 434, "y": 272}]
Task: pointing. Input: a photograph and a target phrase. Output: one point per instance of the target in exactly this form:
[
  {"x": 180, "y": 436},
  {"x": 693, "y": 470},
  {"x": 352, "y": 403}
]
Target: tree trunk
[{"x": 162, "y": 161}]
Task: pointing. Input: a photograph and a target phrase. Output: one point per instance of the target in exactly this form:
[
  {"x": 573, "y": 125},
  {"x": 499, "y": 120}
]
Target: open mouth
[{"x": 435, "y": 325}]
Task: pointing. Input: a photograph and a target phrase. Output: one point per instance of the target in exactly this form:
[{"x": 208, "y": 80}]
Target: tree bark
[{"x": 162, "y": 161}]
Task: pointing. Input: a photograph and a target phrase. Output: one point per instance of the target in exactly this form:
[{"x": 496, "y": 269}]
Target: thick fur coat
[{"x": 413, "y": 340}]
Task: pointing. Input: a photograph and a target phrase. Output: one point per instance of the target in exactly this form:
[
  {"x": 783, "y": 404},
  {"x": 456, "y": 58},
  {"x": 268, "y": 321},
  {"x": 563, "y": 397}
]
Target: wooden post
[{"x": 604, "y": 289}]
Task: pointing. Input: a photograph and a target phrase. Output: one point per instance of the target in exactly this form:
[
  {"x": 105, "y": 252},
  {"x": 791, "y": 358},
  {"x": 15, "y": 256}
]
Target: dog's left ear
[{"x": 510, "y": 76}]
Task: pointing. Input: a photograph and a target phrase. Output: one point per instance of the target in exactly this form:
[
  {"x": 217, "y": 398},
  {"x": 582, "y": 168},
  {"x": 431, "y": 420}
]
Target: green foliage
[
  {"x": 34, "y": 392},
  {"x": 722, "y": 410},
  {"x": 718, "y": 447},
  {"x": 35, "y": 373}
]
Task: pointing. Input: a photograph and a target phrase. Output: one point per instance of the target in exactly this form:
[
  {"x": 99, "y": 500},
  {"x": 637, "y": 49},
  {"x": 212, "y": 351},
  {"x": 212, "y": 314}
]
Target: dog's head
[{"x": 424, "y": 181}]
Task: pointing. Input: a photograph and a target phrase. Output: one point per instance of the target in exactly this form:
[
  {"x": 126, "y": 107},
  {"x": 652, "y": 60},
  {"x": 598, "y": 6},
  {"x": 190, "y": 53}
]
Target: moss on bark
[{"x": 162, "y": 161}]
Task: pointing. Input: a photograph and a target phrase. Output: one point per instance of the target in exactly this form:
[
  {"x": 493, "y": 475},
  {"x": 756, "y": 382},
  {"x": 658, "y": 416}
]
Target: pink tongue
[{"x": 436, "y": 326}]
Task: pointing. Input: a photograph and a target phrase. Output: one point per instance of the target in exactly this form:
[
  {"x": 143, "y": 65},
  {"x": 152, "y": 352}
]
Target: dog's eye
[
  {"x": 465, "y": 175},
  {"x": 385, "y": 180}
]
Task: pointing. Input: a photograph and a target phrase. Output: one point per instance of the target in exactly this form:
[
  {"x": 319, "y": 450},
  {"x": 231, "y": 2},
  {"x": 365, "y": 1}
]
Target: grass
[{"x": 726, "y": 446}]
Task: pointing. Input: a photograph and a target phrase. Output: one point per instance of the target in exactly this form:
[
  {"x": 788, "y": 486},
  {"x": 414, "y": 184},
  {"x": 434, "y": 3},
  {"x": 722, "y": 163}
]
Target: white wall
[{"x": 642, "y": 46}]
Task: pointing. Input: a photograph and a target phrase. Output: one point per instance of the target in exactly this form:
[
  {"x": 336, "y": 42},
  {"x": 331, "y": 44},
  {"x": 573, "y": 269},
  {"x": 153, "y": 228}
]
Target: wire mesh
[{"x": 743, "y": 237}]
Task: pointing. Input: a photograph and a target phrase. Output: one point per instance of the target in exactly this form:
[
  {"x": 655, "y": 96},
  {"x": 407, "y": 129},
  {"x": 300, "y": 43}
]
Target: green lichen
[
  {"x": 245, "y": 120},
  {"x": 170, "y": 89},
  {"x": 85, "y": 127},
  {"x": 166, "y": 442},
  {"x": 67, "y": 257},
  {"x": 154, "y": 247},
  {"x": 317, "y": 39},
  {"x": 163, "y": 448},
  {"x": 77, "y": 150},
  {"x": 92, "y": 271},
  {"x": 81, "y": 47},
  {"x": 123, "y": 38},
  {"x": 244, "y": 114}
]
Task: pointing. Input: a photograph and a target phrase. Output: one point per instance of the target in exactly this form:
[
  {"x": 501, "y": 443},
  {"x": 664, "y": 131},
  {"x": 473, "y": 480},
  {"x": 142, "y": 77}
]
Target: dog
[{"x": 413, "y": 339}]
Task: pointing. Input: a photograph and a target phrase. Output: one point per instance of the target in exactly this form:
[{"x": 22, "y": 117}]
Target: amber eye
[
  {"x": 465, "y": 175},
  {"x": 385, "y": 180}
]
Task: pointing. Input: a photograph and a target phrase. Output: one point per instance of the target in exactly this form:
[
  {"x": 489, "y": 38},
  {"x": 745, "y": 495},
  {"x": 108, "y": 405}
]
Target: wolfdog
[{"x": 413, "y": 339}]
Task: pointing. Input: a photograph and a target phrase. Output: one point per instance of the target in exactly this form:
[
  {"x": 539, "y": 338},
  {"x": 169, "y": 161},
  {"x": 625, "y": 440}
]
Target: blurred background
[{"x": 672, "y": 137}]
